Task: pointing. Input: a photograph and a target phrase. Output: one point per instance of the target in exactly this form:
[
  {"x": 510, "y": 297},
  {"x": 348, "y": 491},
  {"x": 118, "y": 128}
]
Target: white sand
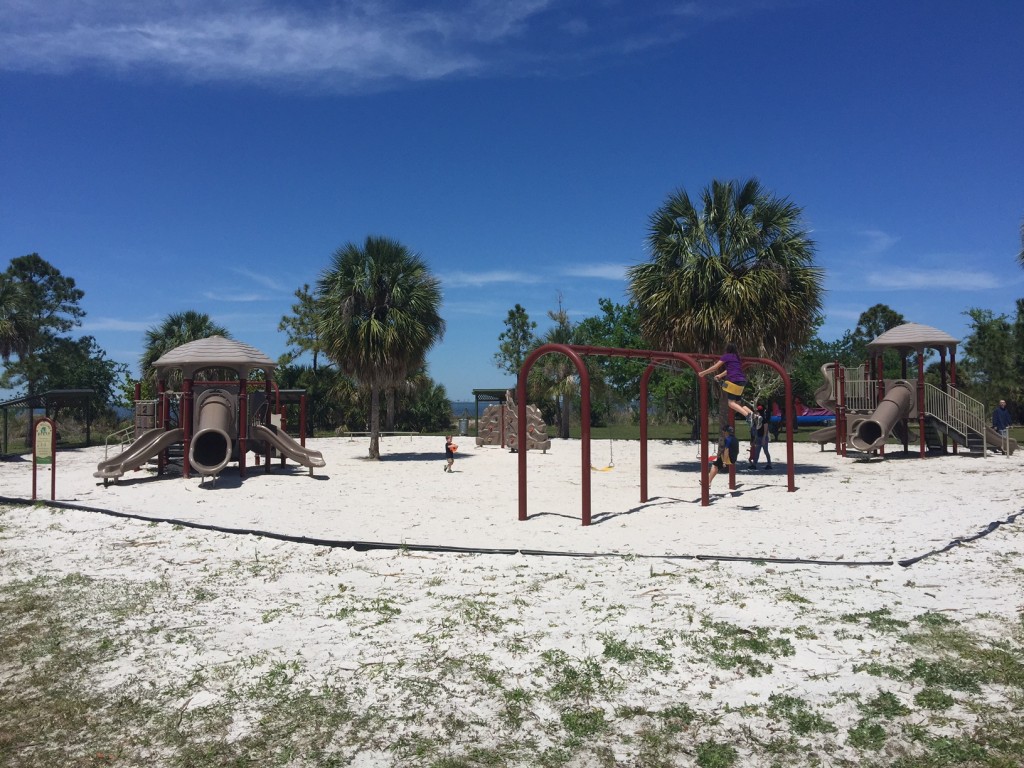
[
  {"x": 843, "y": 509},
  {"x": 279, "y": 604}
]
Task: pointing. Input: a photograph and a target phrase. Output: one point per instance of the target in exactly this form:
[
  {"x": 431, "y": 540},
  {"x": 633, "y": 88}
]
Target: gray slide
[
  {"x": 871, "y": 433},
  {"x": 995, "y": 441},
  {"x": 288, "y": 447},
  {"x": 150, "y": 443}
]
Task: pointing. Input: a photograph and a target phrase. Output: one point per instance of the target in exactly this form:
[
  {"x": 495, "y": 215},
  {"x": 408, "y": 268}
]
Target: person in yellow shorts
[{"x": 731, "y": 367}]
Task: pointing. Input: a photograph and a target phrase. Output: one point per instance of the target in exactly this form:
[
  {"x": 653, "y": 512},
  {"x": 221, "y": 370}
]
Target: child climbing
[
  {"x": 728, "y": 450},
  {"x": 735, "y": 382}
]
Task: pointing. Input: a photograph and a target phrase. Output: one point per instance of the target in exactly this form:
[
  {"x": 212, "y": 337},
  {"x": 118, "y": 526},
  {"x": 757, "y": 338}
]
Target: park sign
[{"x": 44, "y": 452}]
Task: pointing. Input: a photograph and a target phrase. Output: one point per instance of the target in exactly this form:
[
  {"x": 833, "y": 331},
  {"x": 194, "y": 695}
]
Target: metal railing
[
  {"x": 957, "y": 411},
  {"x": 122, "y": 437},
  {"x": 962, "y": 413}
]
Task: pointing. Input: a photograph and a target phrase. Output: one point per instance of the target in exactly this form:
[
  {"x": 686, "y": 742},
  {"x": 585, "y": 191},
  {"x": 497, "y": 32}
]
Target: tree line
[{"x": 735, "y": 264}]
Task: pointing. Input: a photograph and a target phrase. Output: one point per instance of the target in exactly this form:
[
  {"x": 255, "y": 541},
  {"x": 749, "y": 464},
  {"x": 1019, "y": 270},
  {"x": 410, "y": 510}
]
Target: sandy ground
[
  {"x": 267, "y": 600},
  {"x": 843, "y": 509}
]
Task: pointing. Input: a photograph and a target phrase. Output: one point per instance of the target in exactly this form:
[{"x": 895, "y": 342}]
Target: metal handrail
[
  {"x": 122, "y": 436},
  {"x": 955, "y": 409}
]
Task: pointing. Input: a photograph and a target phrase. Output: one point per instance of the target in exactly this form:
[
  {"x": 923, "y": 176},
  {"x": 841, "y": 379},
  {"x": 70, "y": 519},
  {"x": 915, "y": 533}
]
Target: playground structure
[
  {"x": 217, "y": 421},
  {"x": 499, "y": 425},
  {"x": 575, "y": 353},
  {"x": 870, "y": 408}
]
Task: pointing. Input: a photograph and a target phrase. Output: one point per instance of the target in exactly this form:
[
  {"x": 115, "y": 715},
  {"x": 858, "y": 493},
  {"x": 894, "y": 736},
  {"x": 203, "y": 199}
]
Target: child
[
  {"x": 728, "y": 450},
  {"x": 449, "y": 452},
  {"x": 758, "y": 441},
  {"x": 734, "y": 385}
]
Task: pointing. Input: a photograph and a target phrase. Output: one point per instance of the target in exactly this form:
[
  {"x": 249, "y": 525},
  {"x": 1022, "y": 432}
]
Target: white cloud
[
  {"x": 233, "y": 297},
  {"x": 348, "y": 44},
  {"x": 265, "y": 280},
  {"x": 929, "y": 279},
  {"x": 343, "y": 46},
  {"x": 602, "y": 271},
  {"x": 114, "y": 324},
  {"x": 480, "y": 279},
  {"x": 877, "y": 241}
]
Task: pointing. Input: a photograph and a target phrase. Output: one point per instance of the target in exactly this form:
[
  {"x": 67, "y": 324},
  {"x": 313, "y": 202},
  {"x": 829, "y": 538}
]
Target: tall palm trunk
[{"x": 374, "y": 421}]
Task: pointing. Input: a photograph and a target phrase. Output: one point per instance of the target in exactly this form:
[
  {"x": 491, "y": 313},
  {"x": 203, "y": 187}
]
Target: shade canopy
[
  {"x": 214, "y": 352},
  {"x": 913, "y": 336}
]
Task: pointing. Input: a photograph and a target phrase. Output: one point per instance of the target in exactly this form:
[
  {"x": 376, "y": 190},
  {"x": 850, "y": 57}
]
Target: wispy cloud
[
  {"x": 929, "y": 279},
  {"x": 114, "y": 324},
  {"x": 260, "y": 279},
  {"x": 345, "y": 45},
  {"x": 601, "y": 271},
  {"x": 480, "y": 279},
  {"x": 877, "y": 241},
  {"x": 233, "y": 298}
]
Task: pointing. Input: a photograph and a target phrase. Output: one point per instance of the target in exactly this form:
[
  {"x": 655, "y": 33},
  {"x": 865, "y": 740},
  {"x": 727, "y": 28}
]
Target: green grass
[{"x": 459, "y": 679}]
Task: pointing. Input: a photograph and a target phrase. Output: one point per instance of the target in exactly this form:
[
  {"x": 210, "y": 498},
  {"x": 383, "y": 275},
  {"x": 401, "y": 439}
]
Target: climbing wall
[{"x": 498, "y": 426}]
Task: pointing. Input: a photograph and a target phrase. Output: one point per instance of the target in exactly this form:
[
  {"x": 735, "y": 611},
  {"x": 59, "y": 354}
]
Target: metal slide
[
  {"x": 150, "y": 443},
  {"x": 288, "y": 447}
]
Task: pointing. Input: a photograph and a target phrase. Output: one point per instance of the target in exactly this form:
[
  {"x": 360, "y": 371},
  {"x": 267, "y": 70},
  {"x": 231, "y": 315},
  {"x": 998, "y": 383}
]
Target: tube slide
[
  {"x": 825, "y": 395},
  {"x": 288, "y": 447},
  {"x": 210, "y": 448},
  {"x": 150, "y": 443},
  {"x": 871, "y": 433}
]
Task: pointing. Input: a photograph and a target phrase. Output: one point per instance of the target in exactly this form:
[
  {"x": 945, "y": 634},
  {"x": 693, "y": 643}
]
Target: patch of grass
[
  {"x": 730, "y": 646},
  {"x": 886, "y": 705},
  {"x": 713, "y": 754},
  {"x": 880, "y": 620},
  {"x": 933, "y": 698},
  {"x": 867, "y": 735},
  {"x": 629, "y": 653},
  {"x": 801, "y": 718}
]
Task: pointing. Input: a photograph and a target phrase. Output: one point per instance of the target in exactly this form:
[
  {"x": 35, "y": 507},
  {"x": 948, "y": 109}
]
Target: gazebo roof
[
  {"x": 215, "y": 352},
  {"x": 913, "y": 336}
]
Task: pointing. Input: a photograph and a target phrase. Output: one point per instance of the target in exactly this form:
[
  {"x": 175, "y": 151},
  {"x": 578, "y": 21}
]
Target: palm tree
[
  {"x": 736, "y": 268},
  {"x": 379, "y": 314},
  {"x": 177, "y": 328},
  {"x": 14, "y": 333}
]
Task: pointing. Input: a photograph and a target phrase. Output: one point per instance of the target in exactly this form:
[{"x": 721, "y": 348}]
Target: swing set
[{"x": 655, "y": 359}]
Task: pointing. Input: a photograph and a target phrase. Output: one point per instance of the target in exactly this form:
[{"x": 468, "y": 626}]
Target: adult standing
[{"x": 1001, "y": 419}]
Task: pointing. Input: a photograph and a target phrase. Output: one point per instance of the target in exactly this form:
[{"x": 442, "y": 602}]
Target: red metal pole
[
  {"x": 186, "y": 423},
  {"x": 644, "y": 381},
  {"x": 302, "y": 420},
  {"x": 920, "y": 399},
  {"x": 243, "y": 425}
]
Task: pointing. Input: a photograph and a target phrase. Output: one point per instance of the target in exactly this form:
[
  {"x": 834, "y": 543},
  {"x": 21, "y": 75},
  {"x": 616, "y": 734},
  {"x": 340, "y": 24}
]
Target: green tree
[
  {"x": 989, "y": 371},
  {"x": 81, "y": 364},
  {"x": 737, "y": 266},
  {"x": 557, "y": 379},
  {"x": 516, "y": 341},
  {"x": 301, "y": 327},
  {"x": 46, "y": 304},
  {"x": 871, "y": 324},
  {"x": 14, "y": 333},
  {"x": 378, "y": 316},
  {"x": 176, "y": 329}
]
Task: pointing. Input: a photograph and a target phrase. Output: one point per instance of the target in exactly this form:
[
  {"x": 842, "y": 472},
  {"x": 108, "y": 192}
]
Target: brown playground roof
[
  {"x": 215, "y": 352},
  {"x": 913, "y": 336}
]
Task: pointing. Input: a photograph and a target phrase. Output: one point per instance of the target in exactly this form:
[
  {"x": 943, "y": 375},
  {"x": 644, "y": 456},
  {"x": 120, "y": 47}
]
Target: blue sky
[{"x": 212, "y": 155}]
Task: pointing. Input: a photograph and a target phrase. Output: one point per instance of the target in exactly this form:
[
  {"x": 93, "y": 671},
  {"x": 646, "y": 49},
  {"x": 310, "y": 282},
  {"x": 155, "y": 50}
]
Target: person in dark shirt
[
  {"x": 759, "y": 441},
  {"x": 1001, "y": 419},
  {"x": 728, "y": 450},
  {"x": 449, "y": 453}
]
